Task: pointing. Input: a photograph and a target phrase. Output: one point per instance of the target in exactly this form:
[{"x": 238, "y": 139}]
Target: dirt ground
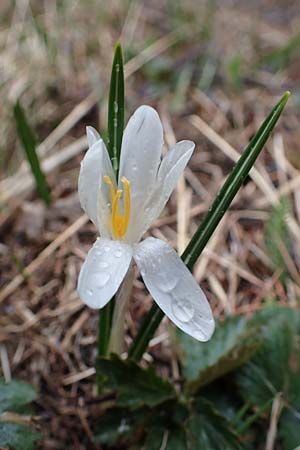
[{"x": 213, "y": 70}]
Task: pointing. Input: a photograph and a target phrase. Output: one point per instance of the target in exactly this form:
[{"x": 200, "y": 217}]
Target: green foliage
[
  {"x": 134, "y": 386},
  {"x": 114, "y": 142},
  {"x": 277, "y": 234},
  {"x": 119, "y": 425},
  {"x": 15, "y": 394},
  {"x": 17, "y": 437},
  {"x": 290, "y": 429},
  {"x": 234, "y": 69},
  {"x": 280, "y": 58},
  {"x": 232, "y": 344},
  {"x": 28, "y": 141},
  {"x": 116, "y": 108},
  {"x": 275, "y": 369},
  {"x": 213, "y": 217},
  {"x": 15, "y": 397},
  {"x": 209, "y": 430}
]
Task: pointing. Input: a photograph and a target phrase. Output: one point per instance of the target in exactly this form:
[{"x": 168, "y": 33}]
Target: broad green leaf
[
  {"x": 167, "y": 427},
  {"x": 212, "y": 219},
  {"x": 276, "y": 366},
  {"x": 120, "y": 426},
  {"x": 208, "y": 430},
  {"x": 232, "y": 344},
  {"x": 290, "y": 430},
  {"x": 275, "y": 369},
  {"x": 116, "y": 108},
  {"x": 174, "y": 438},
  {"x": 134, "y": 386},
  {"x": 28, "y": 141},
  {"x": 15, "y": 436},
  {"x": 15, "y": 394}
]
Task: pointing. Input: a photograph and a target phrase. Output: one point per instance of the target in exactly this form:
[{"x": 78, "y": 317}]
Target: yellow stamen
[{"x": 119, "y": 222}]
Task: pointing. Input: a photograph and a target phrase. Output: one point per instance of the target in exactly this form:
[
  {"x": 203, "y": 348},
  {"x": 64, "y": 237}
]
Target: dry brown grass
[{"x": 47, "y": 335}]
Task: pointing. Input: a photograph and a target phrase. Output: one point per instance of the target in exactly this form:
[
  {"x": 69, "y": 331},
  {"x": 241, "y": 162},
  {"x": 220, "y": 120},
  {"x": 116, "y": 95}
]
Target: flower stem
[
  {"x": 104, "y": 326},
  {"x": 117, "y": 337}
]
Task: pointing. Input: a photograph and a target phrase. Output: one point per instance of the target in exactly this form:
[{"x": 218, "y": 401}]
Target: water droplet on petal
[
  {"x": 134, "y": 167},
  {"x": 106, "y": 248},
  {"x": 168, "y": 284},
  {"x": 90, "y": 292},
  {"x": 103, "y": 265},
  {"x": 118, "y": 253},
  {"x": 100, "y": 279},
  {"x": 182, "y": 310}
]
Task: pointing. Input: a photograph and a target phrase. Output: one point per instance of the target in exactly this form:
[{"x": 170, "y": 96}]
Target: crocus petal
[
  {"x": 94, "y": 166},
  {"x": 92, "y": 136},
  {"x": 169, "y": 172},
  {"x": 140, "y": 155},
  {"x": 174, "y": 289},
  {"x": 103, "y": 271}
]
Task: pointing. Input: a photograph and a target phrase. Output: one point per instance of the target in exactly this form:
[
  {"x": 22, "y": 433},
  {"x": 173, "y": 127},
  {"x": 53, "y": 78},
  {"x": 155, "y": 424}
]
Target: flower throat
[{"x": 119, "y": 222}]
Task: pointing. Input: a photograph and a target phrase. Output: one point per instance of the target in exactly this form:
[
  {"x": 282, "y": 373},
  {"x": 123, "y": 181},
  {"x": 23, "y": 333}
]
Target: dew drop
[
  {"x": 100, "y": 279},
  {"x": 168, "y": 284},
  {"x": 118, "y": 253},
  {"x": 106, "y": 248},
  {"x": 116, "y": 107},
  {"x": 115, "y": 122},
  {"x": 103, "y": 265},
  {"x": 90, "y": 292},
  {"x": 182, "y": 310},
  {"x": 134, "y": 167}
]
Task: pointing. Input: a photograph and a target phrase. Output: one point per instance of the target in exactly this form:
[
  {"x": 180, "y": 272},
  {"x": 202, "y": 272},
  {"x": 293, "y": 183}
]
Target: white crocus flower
[{"x": 123, "y": 211}]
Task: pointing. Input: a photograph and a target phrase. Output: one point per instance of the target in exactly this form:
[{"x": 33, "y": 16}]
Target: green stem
[
  {"x": 116, "y": 344},
  {"x": 211, "y": 220},
  {"x": 242, "y": 428},
  {"x": 104, "y": 326},
  {"x": 115, "y": 134}
]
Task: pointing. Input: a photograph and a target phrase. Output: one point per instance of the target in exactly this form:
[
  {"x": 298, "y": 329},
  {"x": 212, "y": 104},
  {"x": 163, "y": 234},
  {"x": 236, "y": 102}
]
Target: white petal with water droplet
[
  {"x": 174, "y": 289},
  {"x": 93, "y": 192},
  {"x": 103, "y": 271},
  {"x": 140, "y": 158},
  {"x": 168, "y": 175}
]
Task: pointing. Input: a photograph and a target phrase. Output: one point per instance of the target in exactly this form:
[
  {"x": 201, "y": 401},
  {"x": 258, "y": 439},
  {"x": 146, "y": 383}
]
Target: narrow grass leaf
[
  {"x": 116, "y": 108},
  {"x": 114, "y": 142},
  {"x": 28, "y": 141},
  {"x": 212, "y": 219}
]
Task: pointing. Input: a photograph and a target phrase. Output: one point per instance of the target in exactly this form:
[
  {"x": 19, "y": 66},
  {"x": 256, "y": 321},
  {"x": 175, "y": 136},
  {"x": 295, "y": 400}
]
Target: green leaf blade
[
  {"x": 15, "y": 394},
  {"x": 16, "y": 436},
  {"x": 116, "y": 108},
  {"x": 28, "y": 141},
  {"x": 233, "y": 343},
  {"x": 232, "y": 184},
  {"x": 212, "y": 219},
  {"x": 207, "y": 429},
  {"x": 135, "y": 387}
]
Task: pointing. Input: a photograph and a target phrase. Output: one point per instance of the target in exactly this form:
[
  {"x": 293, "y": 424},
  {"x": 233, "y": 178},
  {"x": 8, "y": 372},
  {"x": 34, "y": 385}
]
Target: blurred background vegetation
[{"x": 213, "y": 69}]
